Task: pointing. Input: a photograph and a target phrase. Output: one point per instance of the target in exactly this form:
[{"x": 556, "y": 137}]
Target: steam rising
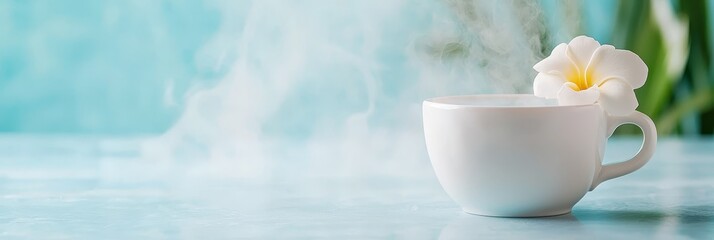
[{"x": 334, "y": 88}]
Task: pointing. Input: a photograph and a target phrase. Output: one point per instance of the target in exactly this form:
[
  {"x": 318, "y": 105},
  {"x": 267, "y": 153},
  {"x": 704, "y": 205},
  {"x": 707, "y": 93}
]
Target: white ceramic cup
[{"x": 521, "y": 155}]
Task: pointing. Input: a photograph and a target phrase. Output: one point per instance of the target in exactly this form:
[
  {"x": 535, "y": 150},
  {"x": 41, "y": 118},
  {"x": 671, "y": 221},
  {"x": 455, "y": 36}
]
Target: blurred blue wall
[
  {"x": 98, "y": 66},
  {"x": 118, "y": 67}
]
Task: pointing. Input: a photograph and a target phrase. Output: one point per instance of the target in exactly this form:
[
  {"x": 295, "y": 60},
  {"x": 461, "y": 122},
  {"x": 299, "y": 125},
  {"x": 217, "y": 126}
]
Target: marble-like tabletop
[{"x": 58, "y": 187}]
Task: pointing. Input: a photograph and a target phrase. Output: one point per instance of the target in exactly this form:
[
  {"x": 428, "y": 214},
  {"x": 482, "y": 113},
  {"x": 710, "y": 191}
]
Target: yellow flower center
[{"x": 581, "y": 81}]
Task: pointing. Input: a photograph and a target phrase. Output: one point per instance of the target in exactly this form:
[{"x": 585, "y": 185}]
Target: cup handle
[{"x": 613, "y": 170}]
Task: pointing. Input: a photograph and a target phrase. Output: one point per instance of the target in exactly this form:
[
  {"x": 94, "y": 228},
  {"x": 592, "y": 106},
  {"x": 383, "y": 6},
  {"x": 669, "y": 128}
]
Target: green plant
[{"x": 677, "y": 50}]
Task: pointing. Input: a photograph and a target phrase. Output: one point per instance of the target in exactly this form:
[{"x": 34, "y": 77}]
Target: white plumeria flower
[{"x": 585, "y": 72}]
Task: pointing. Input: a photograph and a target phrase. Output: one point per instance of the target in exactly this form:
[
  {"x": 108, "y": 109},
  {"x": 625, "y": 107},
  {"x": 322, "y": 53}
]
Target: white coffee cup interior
[{"x": 510, "y": 100}]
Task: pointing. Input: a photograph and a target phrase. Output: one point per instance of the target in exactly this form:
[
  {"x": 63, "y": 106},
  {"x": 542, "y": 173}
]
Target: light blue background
[
  {"x": 125, "y": 67},
  {"x": 98, "y": 66}
]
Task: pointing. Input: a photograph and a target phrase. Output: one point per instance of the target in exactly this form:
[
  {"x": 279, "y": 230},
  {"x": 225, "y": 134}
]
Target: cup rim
[{"x": 438, "y": 102}]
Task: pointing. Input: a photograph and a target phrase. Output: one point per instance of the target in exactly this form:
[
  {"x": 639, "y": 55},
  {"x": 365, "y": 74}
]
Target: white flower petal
[
  {"x": 608, "y": 62},
  {"x": 557, "y": 63},
  {"x": 547, "y": 85},
  {"x": 617, "y": 97},
  {"x": 581, "y": 49},
  {"x": 568, "y": 96}
]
